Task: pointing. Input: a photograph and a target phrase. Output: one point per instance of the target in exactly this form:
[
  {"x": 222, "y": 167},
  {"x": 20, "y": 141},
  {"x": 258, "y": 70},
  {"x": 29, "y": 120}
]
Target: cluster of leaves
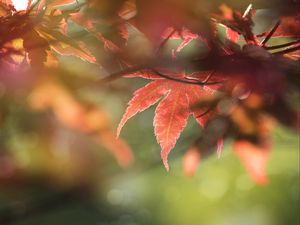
[
  {"x": 32, "y": 40},
  {"x": 236, "y": 86}
]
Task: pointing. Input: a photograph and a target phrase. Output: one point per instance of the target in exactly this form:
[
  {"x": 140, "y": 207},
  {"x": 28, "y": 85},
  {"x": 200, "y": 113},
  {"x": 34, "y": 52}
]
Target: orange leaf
[
  {"x": 117, "y": 147},
  {"x": 172, "y": 112},
  {"x": 170, "y": 118},
  {"x": 191, "y": 161},
  {"x": 51, "y": 95},
  {"x": 143, "y": 99},
  {"x": 254, "y": 159},
  {"x": 68, "y": 50}
]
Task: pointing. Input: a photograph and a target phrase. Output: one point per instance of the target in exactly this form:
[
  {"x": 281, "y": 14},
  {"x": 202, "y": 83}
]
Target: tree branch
[
  {"x": 282, "y": 45},
  {"x": 288, "y": 50},
  {"x": 270, "y": 34}
]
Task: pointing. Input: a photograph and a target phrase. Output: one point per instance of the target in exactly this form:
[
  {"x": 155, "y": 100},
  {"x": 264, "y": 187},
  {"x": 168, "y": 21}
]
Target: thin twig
[
  {"x": 270, "y": 34},
  {"x": 185, "y": 81},
  {"x": 282, "y": 45},
  {"x": 33, "y": 6},
  {"x": 262, "y": 34},
  {"x": 118, "y": 74},
  {"x": 205, "y": 112},
  {"x": 288, "y": 50},
  {"x": 209, "y": 76}
]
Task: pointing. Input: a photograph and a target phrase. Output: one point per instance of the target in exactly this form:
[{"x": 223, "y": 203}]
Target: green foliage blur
[{"x": 221, "y": 193}]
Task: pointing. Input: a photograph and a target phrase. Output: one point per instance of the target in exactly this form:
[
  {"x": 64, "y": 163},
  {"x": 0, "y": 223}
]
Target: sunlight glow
[{"x": 20, "y": 4}]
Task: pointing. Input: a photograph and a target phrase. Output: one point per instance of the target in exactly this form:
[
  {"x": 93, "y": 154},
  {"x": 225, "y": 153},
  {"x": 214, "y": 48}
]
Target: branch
[
  {"x": 288, "y": 50},
  {"x": 118, "y": 74},
  {"x": 201, "y": 83},
  {"x": 270, "y": 34},
  {"x": 283, "y": 45}
]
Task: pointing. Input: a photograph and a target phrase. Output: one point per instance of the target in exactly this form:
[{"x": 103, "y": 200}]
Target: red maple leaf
[
  {"x": 172, "y": 112},
  {"x": 184, "y": 34}
]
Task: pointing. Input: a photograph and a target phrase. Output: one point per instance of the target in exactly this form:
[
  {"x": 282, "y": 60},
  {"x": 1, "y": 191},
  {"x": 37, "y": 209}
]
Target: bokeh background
[{"x": 80, "y": 183}]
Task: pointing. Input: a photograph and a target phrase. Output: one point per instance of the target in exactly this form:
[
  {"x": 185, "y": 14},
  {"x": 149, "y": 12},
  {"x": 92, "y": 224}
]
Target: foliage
[{"x": 223, "y": 72}]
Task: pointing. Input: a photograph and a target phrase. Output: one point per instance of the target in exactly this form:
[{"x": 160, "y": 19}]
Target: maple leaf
[
  {"x": 172, "y": 112},
  {"x": 184, "y": 34},
  {"x": 232, "y": 35},
  {"x": 64, "y": 45},
  {"x": 49, "y": 94},
  {"x": 254, "y": 159},
  {"x": 89, "y": 25}
]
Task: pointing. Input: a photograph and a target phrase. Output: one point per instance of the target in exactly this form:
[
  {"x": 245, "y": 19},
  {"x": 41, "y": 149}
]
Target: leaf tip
[
  {"x": 121, "y": 125},
  {"x": 167, "y": 167},
  {"x": 119, "y": 128},
  {"x": 164, "y": 158},
  {"x": 263, "y": 180},
  {"x": 219, "y": 147}
]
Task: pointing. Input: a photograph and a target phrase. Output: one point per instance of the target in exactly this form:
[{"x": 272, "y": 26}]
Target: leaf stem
[
  {"x": 118, "y": 74},
  {"x": 205, "y": 112},
  {"x": 185, "y": 81},
  {"x": 287, "y": 50},
  {"x": 270, "y": 34},
  {"x": 282, "y": 45}
]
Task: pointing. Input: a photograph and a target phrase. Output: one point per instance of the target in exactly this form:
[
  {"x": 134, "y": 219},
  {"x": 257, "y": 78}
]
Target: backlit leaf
[{"x": 172, "y": 112}]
